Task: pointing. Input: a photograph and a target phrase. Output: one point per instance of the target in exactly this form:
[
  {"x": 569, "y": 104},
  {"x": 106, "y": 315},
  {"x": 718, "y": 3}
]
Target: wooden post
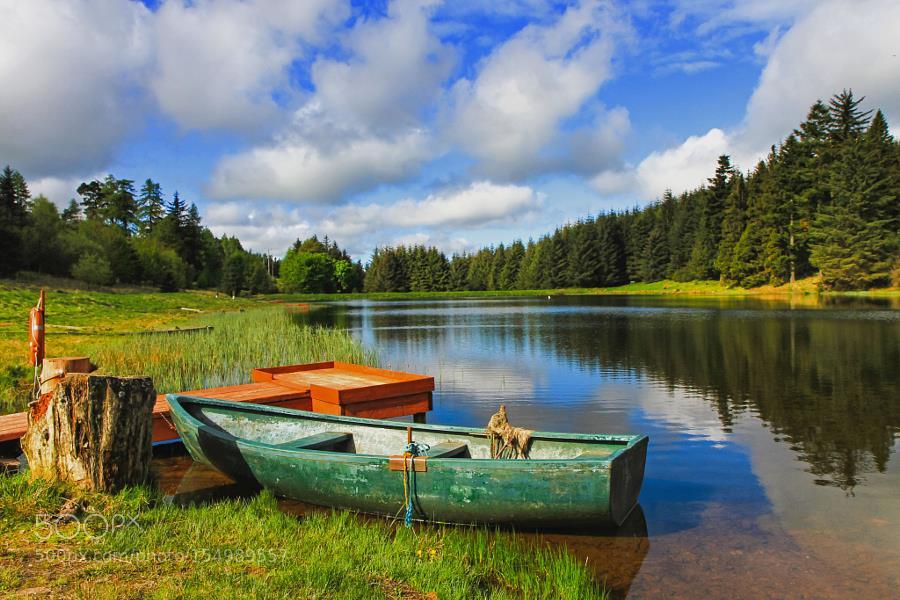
[{"x": 93, "y": 431}]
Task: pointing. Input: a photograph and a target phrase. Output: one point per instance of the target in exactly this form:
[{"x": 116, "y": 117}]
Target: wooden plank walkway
[{"x": 331, "y": 388}]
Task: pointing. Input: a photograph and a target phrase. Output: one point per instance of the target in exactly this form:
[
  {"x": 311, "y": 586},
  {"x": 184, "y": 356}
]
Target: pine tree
[
  {"x": 510, "y": 273},
  {"x": 612, "y": 252},
  {"x": 585, "y": 267},
  {"x": 733, "y": 224},
  {"x": 635, "y": 226},
  {"x": 558, "y": 259},
  {"x": 847, "y": 120},
  {"x": 119, "y": 206},
  {"x": 192, "y": 237},
  {"x": 459, "y": 271},
  {"x": 72, "y": 213},
  {"x": 681, "y": 236},
  {"x": 92, "y": 200},
  {"x": 152, "y": 204},
  {"x": 177, "y": 211},
  {"x": 14, "y": 197},
  {"x": 529, "y": 271},
  {"x": 855, "y": 238},
  {"x": 702, "y": 264},
  {"x": 497, "y": 264}
]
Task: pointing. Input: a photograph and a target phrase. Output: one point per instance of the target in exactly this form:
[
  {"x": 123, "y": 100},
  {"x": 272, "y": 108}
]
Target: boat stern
[{"x": 626, "y": 478}]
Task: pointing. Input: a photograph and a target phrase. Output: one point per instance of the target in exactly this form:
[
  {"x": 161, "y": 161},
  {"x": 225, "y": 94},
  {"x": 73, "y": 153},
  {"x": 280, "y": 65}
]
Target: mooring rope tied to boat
[{"x": 412, "y": 450}]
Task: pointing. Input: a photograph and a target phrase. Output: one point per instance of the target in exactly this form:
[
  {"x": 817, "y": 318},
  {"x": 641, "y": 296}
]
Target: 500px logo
[{"x": 93, "y": 525}]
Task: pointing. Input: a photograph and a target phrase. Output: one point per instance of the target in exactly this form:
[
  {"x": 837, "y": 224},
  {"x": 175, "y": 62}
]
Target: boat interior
[{"x": 299, "y": 430}]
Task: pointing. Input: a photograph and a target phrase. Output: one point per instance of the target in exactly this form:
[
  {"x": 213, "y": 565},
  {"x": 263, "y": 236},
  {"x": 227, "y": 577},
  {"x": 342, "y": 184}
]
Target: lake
[{"x": 772, "y": 468}]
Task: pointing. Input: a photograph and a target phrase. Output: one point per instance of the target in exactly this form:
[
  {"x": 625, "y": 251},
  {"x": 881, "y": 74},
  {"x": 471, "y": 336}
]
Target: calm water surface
[{"x": 772, "y": 468}]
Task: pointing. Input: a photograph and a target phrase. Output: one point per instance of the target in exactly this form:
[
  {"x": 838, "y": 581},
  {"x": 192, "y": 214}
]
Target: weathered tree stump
[
  {"x": 93, "y": 431},
  {"x": 54, "y": 369}
]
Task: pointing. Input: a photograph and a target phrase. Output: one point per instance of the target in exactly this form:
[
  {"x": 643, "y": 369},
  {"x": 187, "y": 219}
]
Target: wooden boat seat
[
  {"x": 448, "y": 450},
  {"x": 327, "y": 440}
]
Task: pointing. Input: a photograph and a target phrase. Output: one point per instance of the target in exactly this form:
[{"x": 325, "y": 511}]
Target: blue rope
[{"x": 413, "y": 449}]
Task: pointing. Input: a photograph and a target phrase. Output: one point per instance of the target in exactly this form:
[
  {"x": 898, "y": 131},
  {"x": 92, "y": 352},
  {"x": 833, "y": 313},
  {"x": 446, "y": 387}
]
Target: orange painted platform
[{"x": 331, "y": 387}]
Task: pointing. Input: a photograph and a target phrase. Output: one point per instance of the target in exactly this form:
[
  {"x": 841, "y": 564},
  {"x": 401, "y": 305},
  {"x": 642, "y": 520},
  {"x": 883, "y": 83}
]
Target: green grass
[
  {"x": 249, "y": 548},
  {"x": 238, "y": 342},
  {"x": 656, "y": 288},
  {"x": 806, "y": 286}
]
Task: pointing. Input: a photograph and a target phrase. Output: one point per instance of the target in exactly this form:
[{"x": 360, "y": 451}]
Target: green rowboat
[{"x": 569, "y": 478}]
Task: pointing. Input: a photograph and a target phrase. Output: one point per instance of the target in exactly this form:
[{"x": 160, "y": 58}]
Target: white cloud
[
  {"x": 717, "y": 13},
  {"x": 683, "y": 167},
  {"x": 218, "y": 64},
  {"x": 479, "y": 204},
  {"x": 319, "y": 162},
  {"x": 840, "y": 44},
  {"x": 395, "y": 69},
  {"x": 71, "y": 76},
  {"x": 435, "y": 219},
  {"x": 361, "y": 128},
  {"x": 260, "y": 227},
  {"x": 542, "y": 75},
  {"x": 837, "y": 45}
]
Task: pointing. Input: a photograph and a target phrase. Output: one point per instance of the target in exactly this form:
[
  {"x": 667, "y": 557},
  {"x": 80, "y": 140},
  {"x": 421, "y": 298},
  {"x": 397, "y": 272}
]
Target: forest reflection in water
[
  {"x": 824, "y": 378},
  {"x": 773, "y": 423}
]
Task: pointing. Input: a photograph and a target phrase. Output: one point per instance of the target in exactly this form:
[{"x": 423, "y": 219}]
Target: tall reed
[{"x": 237, "y": 343}]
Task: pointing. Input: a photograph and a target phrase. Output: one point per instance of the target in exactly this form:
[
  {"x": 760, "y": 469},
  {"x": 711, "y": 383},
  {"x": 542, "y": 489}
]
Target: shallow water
[{"x": 772, "y": 468}]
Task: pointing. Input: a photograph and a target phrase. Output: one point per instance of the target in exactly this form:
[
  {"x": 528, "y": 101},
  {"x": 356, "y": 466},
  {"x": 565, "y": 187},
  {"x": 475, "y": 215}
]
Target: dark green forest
[
  {"x": 825, "y": 200},
  {"x": 118, "y": 235}
]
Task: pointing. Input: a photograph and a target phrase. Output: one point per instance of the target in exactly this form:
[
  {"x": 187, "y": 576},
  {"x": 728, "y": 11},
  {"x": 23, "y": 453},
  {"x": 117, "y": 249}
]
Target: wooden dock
[{"x": 330, "y": 387}]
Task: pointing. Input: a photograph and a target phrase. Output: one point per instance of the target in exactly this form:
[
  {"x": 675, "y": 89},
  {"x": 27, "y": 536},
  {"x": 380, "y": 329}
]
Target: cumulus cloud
[
  {"x": 270, "y": 226},
  {"x": 260, "y": 227},
  {"x": 805, "y": 62},
  {"x": 319, "y": 161},
  {"x": 361, "y": 128},
  {"x": 682, "y": 167},
  {"x": 481, "y": 203},
  {"x": 542, "y": 75},
  {"x": 71, "y": 76},
  {"x": 395, "y": 69},
  {"x": 219, "y": 64},
  {"x": 839, "y": 44},
  {"x": 82, "y": 75}
]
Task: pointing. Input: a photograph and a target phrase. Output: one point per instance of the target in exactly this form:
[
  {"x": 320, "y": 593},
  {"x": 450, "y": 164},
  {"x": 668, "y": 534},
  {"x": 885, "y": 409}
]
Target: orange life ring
[{"x": 36, "y": 333}]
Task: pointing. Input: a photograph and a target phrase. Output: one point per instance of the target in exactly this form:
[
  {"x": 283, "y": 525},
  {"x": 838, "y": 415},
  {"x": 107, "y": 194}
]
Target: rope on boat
[
  {"x": 507, "y": 441},
  {"x": 413, "y": 449}
]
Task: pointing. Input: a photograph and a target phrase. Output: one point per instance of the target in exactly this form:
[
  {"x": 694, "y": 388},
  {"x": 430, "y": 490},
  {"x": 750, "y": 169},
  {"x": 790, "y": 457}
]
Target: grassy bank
[
  {"x": 252, "y": 549},
  {"x": 224, "y": 355},
  {"x": 809, "y": 286}
]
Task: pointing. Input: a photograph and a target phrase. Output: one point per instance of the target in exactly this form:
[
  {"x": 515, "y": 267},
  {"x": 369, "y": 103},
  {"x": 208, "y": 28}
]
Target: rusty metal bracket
[{"x": 417, "y": 464}]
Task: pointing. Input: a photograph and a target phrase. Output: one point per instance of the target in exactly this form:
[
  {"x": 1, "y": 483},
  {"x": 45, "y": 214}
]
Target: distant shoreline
[{"x": 804, "y": 287}]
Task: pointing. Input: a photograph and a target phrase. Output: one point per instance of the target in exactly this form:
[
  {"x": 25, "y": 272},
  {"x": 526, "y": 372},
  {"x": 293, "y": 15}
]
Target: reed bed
[{"x": 225, "y": 355}]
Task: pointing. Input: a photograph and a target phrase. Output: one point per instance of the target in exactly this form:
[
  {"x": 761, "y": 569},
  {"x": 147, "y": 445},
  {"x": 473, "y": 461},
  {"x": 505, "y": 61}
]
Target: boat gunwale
[{"x": 175, "y": 402}]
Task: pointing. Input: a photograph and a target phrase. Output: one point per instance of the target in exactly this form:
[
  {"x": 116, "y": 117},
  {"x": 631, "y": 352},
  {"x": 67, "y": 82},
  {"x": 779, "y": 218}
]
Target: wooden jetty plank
[
  {"x": 13, "y": 426},
  {"x": 260, "y": 393},
  {"x": 339, "y": 388},
  {"x": 344, "y": 383},
  {"x": 386, "y": 408}
]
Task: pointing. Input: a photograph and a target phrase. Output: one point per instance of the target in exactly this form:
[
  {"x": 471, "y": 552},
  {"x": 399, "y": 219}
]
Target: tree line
[
  {"x": 825, "y": 200},
  {"x": 116, "y": 234}
]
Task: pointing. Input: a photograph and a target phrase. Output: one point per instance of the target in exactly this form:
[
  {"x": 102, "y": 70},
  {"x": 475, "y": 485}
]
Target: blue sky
[{"x": 457, "y": 124}]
